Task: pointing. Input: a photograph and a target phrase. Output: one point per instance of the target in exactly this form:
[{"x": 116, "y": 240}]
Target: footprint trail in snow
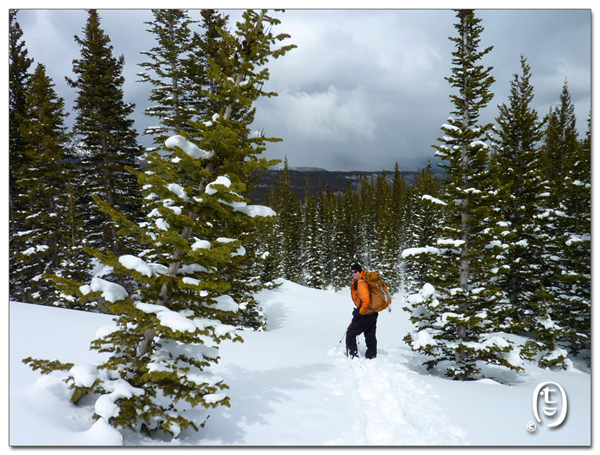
[{"x": 395, "y": 407}]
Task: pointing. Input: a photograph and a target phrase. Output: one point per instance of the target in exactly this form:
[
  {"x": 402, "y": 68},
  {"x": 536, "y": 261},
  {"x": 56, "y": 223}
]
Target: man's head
[{"x": 356, "y": 269}]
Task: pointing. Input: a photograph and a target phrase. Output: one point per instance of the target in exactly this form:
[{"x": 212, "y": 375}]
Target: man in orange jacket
[{"x": 363, "y": 320}]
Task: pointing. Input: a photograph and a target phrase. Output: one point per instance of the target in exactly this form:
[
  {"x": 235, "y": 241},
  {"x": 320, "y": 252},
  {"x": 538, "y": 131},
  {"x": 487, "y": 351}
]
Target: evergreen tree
[
  {"x": 366, "y": 213},
  {"x": 517, "y": 164},
  {"x": 427, "y": 210},
  {"x": 19, "y": 76},
  {"x": 461, "y": 320},
  {"x": 179, "y": 65},
  {"x": 560, "y": 145},
  {"x": 107, "y": 138},
  {"x": 314, "y": 271},
  {"x": 43, "y": 188},
  {"x": 288, "y": 229},
  {"x": 567, "y": 282},
  {"x": 345, "y": 238},
  {"x": 387, "y": 244},
  {"x": 326, "y": 232},
  {"x": 269, "y": 242},
  {"x": 162, "y": 348},
  {"x": 576, "y": 275},
  {"x": 401, "y": 202},
  {"x": 167, "y": 70},
  {"x": 208, "y": 46}
]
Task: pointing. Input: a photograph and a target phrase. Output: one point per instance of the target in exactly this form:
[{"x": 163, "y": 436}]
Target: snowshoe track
[{"x": 396, "y": 407}]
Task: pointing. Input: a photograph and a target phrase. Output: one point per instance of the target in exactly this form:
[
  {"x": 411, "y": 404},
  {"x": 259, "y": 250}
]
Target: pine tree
[
  {"x": 427, "y": 210},
  {"x": 367, "y": 213},
  {"x": 19, "y": 76},
  {"x": 462, "y": 319},
  {"x": 288, "y": 229},
  {"x": 576, "y": 276},
  {"x": 314, "y": 271},
  {"x": 567, "y": 282},
  {"x": 517, "y": 164},
  {"x": 269, "y": 242},
  {"x": 162, "y": 349},
  {"x": 208, "y": 46},
  {"x": 43, "y": 188},
  {"x": 107, "y": 138},
  {"x": 326, "y": 232},
  {"x": 386, "y": 245},
  {"x": 344, "y": 240},
  {"x": 401, "y": 199},
  {"x": 168, "y": 72}
]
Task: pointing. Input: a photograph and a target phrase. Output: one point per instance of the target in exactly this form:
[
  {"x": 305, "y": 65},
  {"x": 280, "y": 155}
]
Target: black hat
[{"x": 356, "y": 268}]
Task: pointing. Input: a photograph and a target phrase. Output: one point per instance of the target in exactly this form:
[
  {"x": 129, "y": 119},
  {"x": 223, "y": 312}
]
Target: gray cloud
[{"x": 365, "y": 88}]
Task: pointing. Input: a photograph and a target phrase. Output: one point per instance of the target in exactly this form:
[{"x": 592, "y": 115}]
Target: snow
[
  {"x": 191, "y": 149},
  {"x": 201, "y": 244},
  {"x": 135, "y": 263},
  {"x": 255, "y": 210},
  {"x": 419, "y": 250},
  {"x": 422, "y": 338},
  {"x": 177, "y": 189},
  {"x": 290, "y": 385},
  {"x": 433, "y": 199},
  {"x": 221, "y": 180},
  {"x": 162, "y": 224},
  {"x": 225, "y": 303},
  {"x": 110, "y": 291},
  {"x": 242, "y": 207},
  {"x": 171, "y": 319},
  {"x": 106, "y": 407}
]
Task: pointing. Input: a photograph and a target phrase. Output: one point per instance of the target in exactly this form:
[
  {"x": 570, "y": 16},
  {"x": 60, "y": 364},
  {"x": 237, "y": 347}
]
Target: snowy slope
[{"x": 292, "y": 386}]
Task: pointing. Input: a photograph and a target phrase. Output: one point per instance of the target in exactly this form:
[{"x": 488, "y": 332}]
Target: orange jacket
[{"x": 361, "y": 295}]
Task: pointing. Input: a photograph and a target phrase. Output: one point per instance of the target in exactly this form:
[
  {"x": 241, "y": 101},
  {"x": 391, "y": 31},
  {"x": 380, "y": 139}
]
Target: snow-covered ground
[{"x": 293, "y": 386}]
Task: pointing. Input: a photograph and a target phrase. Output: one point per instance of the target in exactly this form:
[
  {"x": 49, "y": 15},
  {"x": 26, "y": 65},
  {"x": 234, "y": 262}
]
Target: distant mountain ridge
[{"x": 337, "y": 181}]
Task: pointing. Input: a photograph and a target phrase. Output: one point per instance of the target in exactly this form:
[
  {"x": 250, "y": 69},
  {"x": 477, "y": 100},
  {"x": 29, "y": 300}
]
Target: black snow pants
[{"x": 362, "y": 324}]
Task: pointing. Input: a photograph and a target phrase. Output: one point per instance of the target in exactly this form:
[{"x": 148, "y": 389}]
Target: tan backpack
[{"x": 380, "y": 297}]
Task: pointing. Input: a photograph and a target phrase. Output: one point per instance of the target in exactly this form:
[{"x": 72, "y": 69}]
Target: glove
[{"x": 356, "y": 313}]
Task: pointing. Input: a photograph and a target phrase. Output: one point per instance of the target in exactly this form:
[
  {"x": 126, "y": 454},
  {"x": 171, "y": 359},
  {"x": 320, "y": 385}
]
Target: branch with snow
[{"x": 188, "y": 147}]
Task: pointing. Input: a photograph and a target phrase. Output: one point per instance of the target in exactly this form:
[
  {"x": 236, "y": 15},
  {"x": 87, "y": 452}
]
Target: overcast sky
[{"x": 365, "y": 88}]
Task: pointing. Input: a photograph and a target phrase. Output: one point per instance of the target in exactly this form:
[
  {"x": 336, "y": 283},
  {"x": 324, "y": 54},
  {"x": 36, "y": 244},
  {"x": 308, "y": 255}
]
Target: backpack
[{"x": 380, "y": 297}]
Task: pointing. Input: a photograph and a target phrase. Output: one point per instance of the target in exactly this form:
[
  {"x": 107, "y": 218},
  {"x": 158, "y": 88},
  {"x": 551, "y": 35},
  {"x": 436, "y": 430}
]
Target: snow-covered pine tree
[
  {"x": 268, "y": 243},
  {"x": 576, "y": 273},
  {"x": 567, "y": 283},
  {"x": 516, "y": 163},
  {"x": 209, "y": 45},
  {"x": 18, "y": 72},
  {"x": 161, "y": 349},
  {"x": 44, "y": 192},
  {"x": 366, "y": 213},
  {"x": 352, "y": 215},
  {"x": 107, "y": 140},
  {"x": 287, "y": 228},
  {"x": 326, "y": 232},
  {"x": 401, "y": 203},
  {"x": 426, "y": 212},
  {"x": 313, "y": 268},
  {"x": 178, "y": 70},
  {"x": 344, "y": 240},
  {"x": 168, "y": 70},
  {"x": 462, "y": 322},
  {"x": 386, "y": 246}
]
